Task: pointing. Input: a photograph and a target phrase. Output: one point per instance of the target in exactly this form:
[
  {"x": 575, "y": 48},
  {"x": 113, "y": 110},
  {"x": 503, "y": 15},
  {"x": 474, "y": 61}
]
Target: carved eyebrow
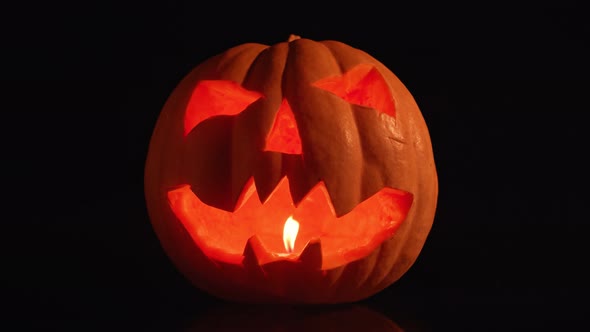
[
  {"x": 216, "y": 97},
  {"x": 362, "y": 85}
]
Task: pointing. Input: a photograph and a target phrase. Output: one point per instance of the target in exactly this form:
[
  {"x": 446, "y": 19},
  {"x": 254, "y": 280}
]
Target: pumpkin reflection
[{"x": 322, "y": 319}]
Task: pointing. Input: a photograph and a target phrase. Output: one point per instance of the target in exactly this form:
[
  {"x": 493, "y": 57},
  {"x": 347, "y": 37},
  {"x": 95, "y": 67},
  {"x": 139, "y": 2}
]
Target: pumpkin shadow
[{"x": 341, "y": 318}]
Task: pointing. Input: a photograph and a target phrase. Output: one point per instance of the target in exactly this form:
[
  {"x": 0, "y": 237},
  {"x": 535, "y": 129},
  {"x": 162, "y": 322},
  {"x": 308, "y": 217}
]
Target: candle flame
[{"x": 290, "y": 233}]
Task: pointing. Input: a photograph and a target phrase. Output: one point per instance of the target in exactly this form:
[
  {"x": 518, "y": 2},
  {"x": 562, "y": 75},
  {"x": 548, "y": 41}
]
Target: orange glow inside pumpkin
[
  {"x": 362, "y": 85},
  {"x": 223, "y": 235},
  {"x": 284, "y": 135},
  {"x": 216, "y": 97}
]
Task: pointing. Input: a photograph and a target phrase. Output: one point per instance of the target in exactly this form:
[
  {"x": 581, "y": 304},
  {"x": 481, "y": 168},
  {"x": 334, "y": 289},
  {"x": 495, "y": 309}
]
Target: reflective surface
[
  {"x": 272, "y": 318},
  {"x": 504, "y": 92}
]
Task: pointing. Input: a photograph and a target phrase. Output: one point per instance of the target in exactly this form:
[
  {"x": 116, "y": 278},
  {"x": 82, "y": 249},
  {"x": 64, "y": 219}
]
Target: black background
[{"x": 502, "y": 88}]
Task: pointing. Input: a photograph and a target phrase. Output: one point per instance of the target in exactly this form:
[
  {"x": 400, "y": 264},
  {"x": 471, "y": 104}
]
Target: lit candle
[{"x": 290, "y": 233}]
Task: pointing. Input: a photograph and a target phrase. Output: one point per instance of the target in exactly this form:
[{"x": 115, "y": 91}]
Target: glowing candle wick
[{"x": 290, "y": 234}]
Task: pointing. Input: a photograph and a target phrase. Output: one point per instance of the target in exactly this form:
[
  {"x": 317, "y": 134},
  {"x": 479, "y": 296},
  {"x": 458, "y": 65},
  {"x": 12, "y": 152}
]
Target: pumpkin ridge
[
  {"x": 343, "y": 183},
  {"x": 241, "y": 172},
  {"x": 377, "y": 276},
  {"x": 370, "y": 182},
  {"x": 351, "y": 108}
]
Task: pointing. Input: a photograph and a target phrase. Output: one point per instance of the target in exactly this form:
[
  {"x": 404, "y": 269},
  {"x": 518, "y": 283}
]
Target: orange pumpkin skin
[{"x": 358, "y": 172}]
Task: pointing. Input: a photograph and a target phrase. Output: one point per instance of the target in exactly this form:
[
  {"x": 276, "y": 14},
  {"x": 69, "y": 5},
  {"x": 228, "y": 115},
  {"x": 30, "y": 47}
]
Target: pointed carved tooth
[
  {"x": 255, "y": 253},
  {"x": 247, "y": 191},
  {"x": 311, "y": 255}
]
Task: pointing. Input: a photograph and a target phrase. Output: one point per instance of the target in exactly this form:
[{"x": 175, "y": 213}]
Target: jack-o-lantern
[{"x": 301, "y": 172}]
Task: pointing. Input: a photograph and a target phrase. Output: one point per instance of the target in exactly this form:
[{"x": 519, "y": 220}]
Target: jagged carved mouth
[{"x": 266, "y": 227}]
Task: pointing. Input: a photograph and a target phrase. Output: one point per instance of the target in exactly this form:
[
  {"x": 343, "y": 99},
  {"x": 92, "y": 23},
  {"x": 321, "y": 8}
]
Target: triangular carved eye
[
  {"x": 216, "y": 97},
  {"x": 362, "y": 85},
  {"x": 284, "y": 135}
]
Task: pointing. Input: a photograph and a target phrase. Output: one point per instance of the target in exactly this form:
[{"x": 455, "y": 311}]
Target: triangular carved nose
[{"x": 284, "y": 134}]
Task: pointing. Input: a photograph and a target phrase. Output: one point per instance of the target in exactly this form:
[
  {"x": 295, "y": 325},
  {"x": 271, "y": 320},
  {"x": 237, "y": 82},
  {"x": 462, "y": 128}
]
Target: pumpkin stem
[{"x": 293, "y": 37}]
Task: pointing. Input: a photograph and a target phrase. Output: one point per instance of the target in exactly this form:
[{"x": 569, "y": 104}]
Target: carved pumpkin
[{"x": 300, "y": 172}]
